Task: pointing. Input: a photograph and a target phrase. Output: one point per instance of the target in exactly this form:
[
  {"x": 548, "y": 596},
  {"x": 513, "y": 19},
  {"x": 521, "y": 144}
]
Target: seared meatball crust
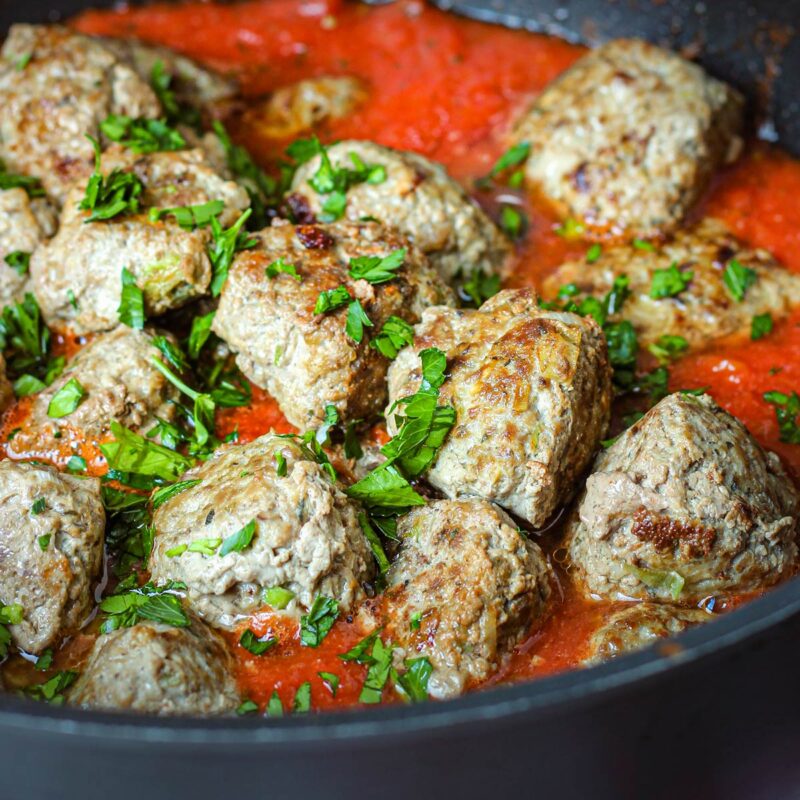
[
  {"x": 532, "y": 394},
  {"x": 639, "y": 626},
  {"x": 307, "y": 536},
  {"x": 420, "y": 200},
  {"x": 120, "y": 384},
  {"x": 152, "y": 668},
  {"x": 306, "y": 360},
  {"x": 51, "y": 527},
  {"x": 24, "y": 223},
  {"x": 474, "y": 582},
  {"x": 685, "y": 504},
  {"x": 170, "y": 264},
  {"x": 705, "y": 309},
  {"x": 627, "y": 139},
  {"x": 47, "y": 109},
  {"x": 6, "y": 390}
]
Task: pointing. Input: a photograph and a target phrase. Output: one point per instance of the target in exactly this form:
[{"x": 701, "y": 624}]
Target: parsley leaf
[
  {"x": 668, "y": 347},
  {"x": 278, "y": 597},
  {"x": 414, "y": 681},
  {"x": 375, "y": 269},
  {"x": 157, "y": 603},
  {"x": 787, "y": 409},
  {"x": 378, "y": 673},
  {"x": 593, "y": 253},
  {"x": 131, "y": 303},
  {"x": 66, "y": 399},
  {"x": 10, "y": 180},
  {"x": 239, "y": 541},
  {"x": 512, "y": 221},
  {"x": 302, "y": 699},
  {"x": 201, "y": 330},
  {"x": 19, "y": 261},
  {"x": 670, "y": 282},
  {"x": 357, "y": 320},
  {"x": 738, "y": 279},
  {"x": 331, "y": 681},
  {"x": 385, "y": 489},
  {"x": 225, "y": 245},
  {"x": 52, "y": 690},
  {"x": 514, "y": 156},
  {"x": 280, "y": 266},
  {"x": 395, "y": 334},
  {"x": 166, "y": 493},
  {"x": 761, "y": 325},
  {"x": 110, "y": 195},
  {"x": 250, "y": 642},
  {"x": 130, "y": 452},
  {"x": 331, "y": 299},
  {"x": 274, "y": 706},
  {"x": 478, "y": 288},
  {"x": 375, "y": 543},
  {"x": 161, "y": 81},
  {"x": 316, "y": 625},
  {"x": 190, "y": 217},
  {"x": 142, "y": 135}
]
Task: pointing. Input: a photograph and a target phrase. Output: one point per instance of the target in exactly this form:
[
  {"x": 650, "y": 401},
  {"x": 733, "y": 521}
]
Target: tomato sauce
[{"x": 450, "y": 88}]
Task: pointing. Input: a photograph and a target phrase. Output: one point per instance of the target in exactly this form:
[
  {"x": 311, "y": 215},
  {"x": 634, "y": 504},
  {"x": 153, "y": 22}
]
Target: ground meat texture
[
  {"x": 307, "y": 536},
  {"x": 68, "y": 87},
  {"x": 683, "y": 505},
  {"x": 170, "y": 264},
  {"x": 304, "y": 105},
  {"x": 628, "y": 138},
  {"x": 307, "y": 360},
  {"x": 419, "y": 199},
  {"x": 531, "y": 390},
  {"x": 24, "y": 223},
  {"x": 638, "y": 626},
  {"x": 6, "y": 390},
  {"x": 705, "y": 309},
  {"x": 120, "y": 384},
  {"x": 193, "y": 84},
  {"x": 51, "y": 527},
  {"x": 152, "y": 668},
  {"x": 474, "y": 582}
]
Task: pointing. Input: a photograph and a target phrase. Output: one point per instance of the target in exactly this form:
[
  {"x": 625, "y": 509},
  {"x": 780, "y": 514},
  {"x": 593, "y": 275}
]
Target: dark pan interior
[{"x": 717, "y": 718}]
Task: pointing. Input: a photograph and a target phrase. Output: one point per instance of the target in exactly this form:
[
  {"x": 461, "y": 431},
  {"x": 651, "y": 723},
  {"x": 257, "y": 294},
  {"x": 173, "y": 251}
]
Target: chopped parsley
[
  {"x": 166, "y": 493},
  {"x": 593, "y": 253},
  {"x": 45, "y": 661},
  {"x": 570, "y": 229},
  {"x": 393, "y": 337},
  {"x": 761, "y": 325},
  {"x": 376, "y": 270},
  {"x": 738, "y": 279},
  {"x": 130, "y": 452},
  {"x": 76, "y": 464},
  {"x": 66, "y": 399},
  {"x": 281, "y": 267},
  {"x": 670, "y": 282},
  {"x": 190, "y": 217},
  {"x": 157, "y": 603},
  {"x": 380, "y": 668},
  {"x": 478, "y": 288},
  {"x": 226, "y": 243},
  {"x": 239, "y": 541},
  {"x": 19, "y": 261},
  {"x": 787, "y": 409},
  {"x": 9, "y": 615},
  {"x": 512, "y": 221},
  {"x": 274, "y": 706},
  {"x": 357, "y": 320},
  {"x": 52, "y": 690},
  {"x": 302, "y": 699},
  {"x": 131, "y": 303},
  {"x": 331, "y": 299},
  {"x": 110, "y": 195},
  {"x": 643, "y": 244},
  {"x": 246, "y": 707},
  {"x": 257, "y": 647},
  {"x": 10, "y": 180},
  {"x": 331, "y": 681},
  {"x": 513, "y": 157},
  {"x": 413, "y": 683},
  {"x": 278, "y": 597},
  {"x": 206, "y": 546},
  {"x": 316, "y": 625},
  {"x": 44, "y": 541},
  {"x": 142, "y": 135},
  {"x": 280, "y": 465},
  {"x": 201, "y": 330},
  {"x": 375, "y": 543},
  {"x": 668, "y": 347},
  {"x": 38, "y": 506},
  {"x": 176, "y": 112}
]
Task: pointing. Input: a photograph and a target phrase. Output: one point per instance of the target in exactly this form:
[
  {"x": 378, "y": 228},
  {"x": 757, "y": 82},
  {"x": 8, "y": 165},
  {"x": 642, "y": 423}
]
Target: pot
[{"x": 712, "y": 714}]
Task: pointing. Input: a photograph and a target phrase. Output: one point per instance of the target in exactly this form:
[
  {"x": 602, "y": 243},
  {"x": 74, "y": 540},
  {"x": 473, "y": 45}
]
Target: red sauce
[{"x": 449, "y": 88}]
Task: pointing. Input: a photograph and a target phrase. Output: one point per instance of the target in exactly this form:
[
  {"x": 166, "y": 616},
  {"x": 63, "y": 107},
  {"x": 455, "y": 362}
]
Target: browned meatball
[
  {"x": 628, "y": 138},
  {"x": 702, "y": 311},
  {"x": 685, "y": 504},
  {"x": 307, "y": 538},
  {"x": 465, "y": 588},
  {"x": 639, "y": 626},
  {"x": 68, "y": 86},
  {"x": 532, "y": 395},
  {"x": 308, "y": 360},
  {"x": 120, "y": 384},
  {"x": 6, "y": 390},
  {"x": 154, "y": 668},
  {"x": 77, "y": 275},
  {"x": 51, "y": 535},
  {"x": 420, "y": 200}
]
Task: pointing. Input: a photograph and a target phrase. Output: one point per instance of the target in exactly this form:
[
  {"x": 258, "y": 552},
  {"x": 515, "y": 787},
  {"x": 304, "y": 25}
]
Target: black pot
[{"x": 714, "y": 717}]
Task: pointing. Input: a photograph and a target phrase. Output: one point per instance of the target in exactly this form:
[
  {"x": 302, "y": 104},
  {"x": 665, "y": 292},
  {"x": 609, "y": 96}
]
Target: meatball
[
  {"x": 24, "y": 223},
  {"x": 77, "y": 274},
  {"x": 628, "y": 138},
  {"x": 639, "y": 626},
  {"x": 6, "y": 390},
  {"x": 193, "y": 84},
  {"x": 705, "y": 309},
  {"x": 465, "y": 588},
  {"x": 307, "y": 538},
  {"x": 302, "y": 106},
  {"x": 52, "y": 549},
  {"x": 120, "y": 385},
  {"x": 56, "y": 87},
  {"x": 308, "y": 360},
  {"x": 532, "y": 395},
  {"x": 418, "y": 198},
  {"x": 684, "y": 505},
  {"x": 153, "y": 668}
]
